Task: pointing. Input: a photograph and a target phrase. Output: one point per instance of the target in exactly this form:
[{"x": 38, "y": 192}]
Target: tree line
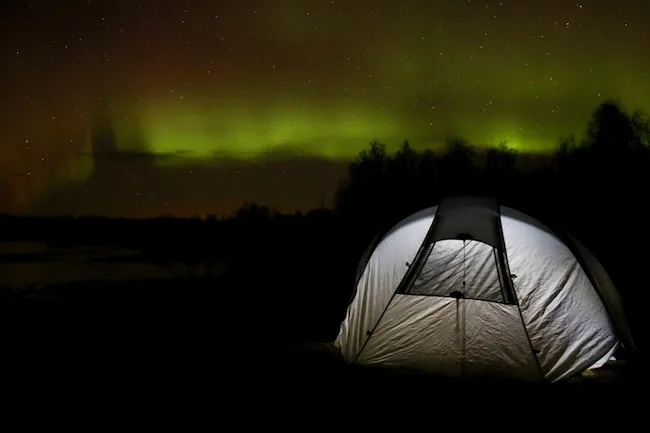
[{"x": 594, "y": 186}]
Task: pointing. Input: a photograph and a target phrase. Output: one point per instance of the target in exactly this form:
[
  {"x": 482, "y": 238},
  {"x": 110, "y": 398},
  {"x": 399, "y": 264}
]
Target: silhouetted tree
[
  {"x": 402, "y": 184},
  {"x": 253, "y": 213},
  {"x": 458, "y": 167},
  {"x": 613, "y": 153},
  {"x": 641, "y": 125},
  {"x": 499, "y": 170},
  {"x": 459, "y": 154},
  {"x": 564, "y": 150},
  {"x": 611, "y": 130},
  {"x": 359, "y": 194},
  {"x": 501, "y": 161},
  {"x": 428, "y": 175}
]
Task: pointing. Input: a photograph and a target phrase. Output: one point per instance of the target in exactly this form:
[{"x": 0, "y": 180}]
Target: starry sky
[{"x": 143, "y": 107}]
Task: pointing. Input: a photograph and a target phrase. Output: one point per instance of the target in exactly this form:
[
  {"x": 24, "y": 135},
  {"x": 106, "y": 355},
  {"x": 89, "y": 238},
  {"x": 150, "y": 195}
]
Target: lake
[{"x": 29, "y": 264}]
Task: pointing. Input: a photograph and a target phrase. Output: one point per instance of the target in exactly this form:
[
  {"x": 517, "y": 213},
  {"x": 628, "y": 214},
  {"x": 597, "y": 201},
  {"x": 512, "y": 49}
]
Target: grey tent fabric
[
  {"x": 607, "y": 291},
  {"x": 455, "y": 263},
  {"x": 472, "y": 288}
]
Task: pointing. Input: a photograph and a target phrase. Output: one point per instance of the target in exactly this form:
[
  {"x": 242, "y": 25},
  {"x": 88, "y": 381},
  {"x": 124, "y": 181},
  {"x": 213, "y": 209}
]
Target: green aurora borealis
[{"x": 257, "y": 87}]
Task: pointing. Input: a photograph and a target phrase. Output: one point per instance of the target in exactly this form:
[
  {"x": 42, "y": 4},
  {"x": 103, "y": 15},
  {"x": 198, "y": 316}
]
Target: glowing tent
[{"x": 471, "y": 288}]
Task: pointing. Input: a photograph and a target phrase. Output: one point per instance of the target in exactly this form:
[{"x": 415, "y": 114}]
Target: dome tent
[{"x": 472, "y": 288}]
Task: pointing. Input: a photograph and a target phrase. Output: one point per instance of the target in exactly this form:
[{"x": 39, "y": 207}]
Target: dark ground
[
  {"x": 231, "y": 338},
  {"x": 253, "y": 338}
]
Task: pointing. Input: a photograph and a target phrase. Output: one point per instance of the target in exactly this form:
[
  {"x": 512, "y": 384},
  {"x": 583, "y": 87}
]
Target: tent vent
[{"x": 456, "y": 294}]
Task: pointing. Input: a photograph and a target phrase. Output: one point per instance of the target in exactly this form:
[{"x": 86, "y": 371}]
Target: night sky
[{"x": 212, "y": 103}]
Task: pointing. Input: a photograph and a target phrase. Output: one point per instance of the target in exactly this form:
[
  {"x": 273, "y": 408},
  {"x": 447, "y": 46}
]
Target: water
[{"x": 39, "y": 264}]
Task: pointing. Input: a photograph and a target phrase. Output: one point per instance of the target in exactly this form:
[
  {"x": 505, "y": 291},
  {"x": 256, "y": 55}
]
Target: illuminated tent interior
[{"x": 470, "y": 288}]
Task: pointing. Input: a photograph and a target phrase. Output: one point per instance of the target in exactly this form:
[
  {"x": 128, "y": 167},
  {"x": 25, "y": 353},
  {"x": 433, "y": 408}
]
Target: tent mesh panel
[{"x": 459, "y": 268}]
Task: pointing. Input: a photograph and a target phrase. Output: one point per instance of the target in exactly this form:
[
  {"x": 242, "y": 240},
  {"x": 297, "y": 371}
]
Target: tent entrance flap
[
  {"x": 463, "y": 253},
  {"x": 454, "y": 337}
]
